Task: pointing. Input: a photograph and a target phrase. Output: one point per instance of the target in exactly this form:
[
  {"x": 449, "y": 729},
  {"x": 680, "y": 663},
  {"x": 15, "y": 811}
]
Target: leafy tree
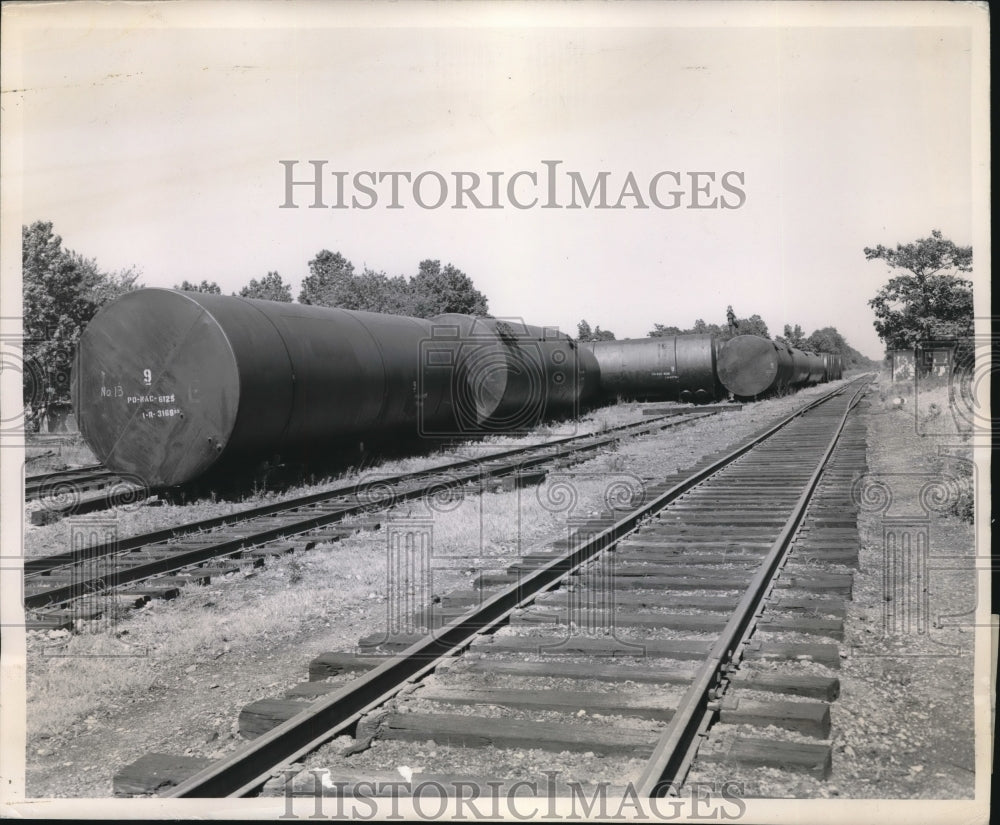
[
  {"x": 436, "y": 290},
  {"x": 754, "y": 325},
  {"x": 828, "y": 339},
  {"x": 62, "y": 291},
  {"x": 328, "y": 281},
  {"x": 331, "y": 282},
  {"x": 111, "y": 285},
  {"x": 205, "y": 286},
  {"x": 795, "y": 337},
  {"x": 432, "y": 291},
  {"x": 927, "y": 300},
  {"x": 268, "y": 288},
  {"x": 701, "y": 328},
  {"x": 373, "y": 291},
  {"x": 585, "y": 333}
]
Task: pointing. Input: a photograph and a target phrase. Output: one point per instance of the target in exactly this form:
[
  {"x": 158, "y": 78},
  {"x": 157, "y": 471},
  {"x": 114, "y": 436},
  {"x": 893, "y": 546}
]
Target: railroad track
[
  {"x": 626, "y": 642},
  {"x": 79, "y": 491},
  {"x": 80, "y": 478},
  {"x": 86, "y": 581}
]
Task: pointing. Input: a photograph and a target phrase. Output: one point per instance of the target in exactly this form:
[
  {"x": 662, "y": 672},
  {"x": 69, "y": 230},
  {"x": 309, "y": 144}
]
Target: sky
[{"x": 151, "y": 137}]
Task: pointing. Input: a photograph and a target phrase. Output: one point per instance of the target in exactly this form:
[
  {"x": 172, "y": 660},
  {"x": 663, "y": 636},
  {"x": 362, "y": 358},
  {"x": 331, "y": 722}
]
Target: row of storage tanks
[{"x": 169, "y": 386}]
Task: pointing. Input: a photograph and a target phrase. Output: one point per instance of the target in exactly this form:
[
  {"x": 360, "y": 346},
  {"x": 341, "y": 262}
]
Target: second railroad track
[{"x": 80, "y": 582}]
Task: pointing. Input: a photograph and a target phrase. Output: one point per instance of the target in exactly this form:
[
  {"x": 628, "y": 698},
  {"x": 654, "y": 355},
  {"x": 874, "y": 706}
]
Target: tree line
[
  {"x": 63, "y": 290},
  {"x": 733, "y": 326},
  {"x": 332, "y": 282},
  {"x": 924, "y": 300}
]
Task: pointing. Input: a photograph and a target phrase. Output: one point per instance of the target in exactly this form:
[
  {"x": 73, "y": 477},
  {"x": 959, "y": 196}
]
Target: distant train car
[
  {"x": 670, "y": 368},
  {"x": 171, "y": 385},
  {"x": 750, "y": 366},
  {"x": 836, "y": 367},
  {"x": 832, "y": 366}
]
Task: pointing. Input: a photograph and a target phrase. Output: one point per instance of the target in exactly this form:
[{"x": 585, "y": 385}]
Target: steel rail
[
  {"x": 248, "y": 768},
  {"x": 53, "y": 474},
  {"x": 678, "y": 744},
  {"x": 35, "y": 485},
  {"x": 432, "y": 480},
  {"x": 51, "y": 562}
]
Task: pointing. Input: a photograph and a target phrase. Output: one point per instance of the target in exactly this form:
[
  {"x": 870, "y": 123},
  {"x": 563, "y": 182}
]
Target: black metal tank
[
  {"x": 670, "y": 368},
  {"x": 168, "y": 384},
  {"x": 171, "y": 385},
  {"x": 508, "y": 376},
  {"x": 750, "y": 366},
  {"x": 817, "y": 368}
]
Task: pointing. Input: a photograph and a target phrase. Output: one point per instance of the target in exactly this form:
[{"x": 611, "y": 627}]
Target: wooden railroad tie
[
  {"x": 807, "y": 757},
  {"x": 155, "y": 772}
]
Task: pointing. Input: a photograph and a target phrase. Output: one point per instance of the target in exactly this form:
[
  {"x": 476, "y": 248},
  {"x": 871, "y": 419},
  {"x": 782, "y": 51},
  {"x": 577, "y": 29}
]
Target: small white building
[{"x": 936, "y": 358}]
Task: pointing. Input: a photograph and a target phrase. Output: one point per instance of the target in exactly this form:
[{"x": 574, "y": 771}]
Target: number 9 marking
[{"x": 147, "y": 377}]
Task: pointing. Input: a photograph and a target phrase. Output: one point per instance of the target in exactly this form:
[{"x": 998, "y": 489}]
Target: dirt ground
[{"x": 904, "y": 724}]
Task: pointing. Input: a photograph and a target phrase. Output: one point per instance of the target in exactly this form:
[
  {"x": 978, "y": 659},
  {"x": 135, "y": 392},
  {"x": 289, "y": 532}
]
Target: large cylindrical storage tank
[
  {"x": 751, "y": 366},
  {"x": 168, "y": 384},
  {"x": 802, "y": 366},
  {"x": 670, "y": 368},
  {"x": 817, "y": 368},
  {"x": 508, "y": 375}
]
